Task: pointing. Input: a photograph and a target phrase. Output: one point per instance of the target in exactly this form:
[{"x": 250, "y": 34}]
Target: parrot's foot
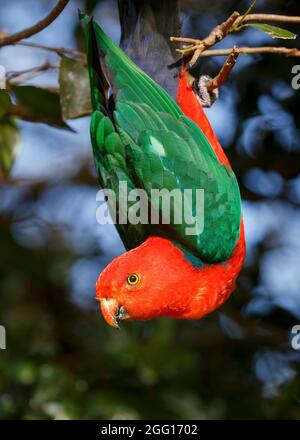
[{"x": 206, "y": 97}]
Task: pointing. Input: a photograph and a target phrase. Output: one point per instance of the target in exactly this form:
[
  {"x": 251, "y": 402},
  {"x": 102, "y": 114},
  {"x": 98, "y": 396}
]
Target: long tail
[{"x": 146, "y": 27}]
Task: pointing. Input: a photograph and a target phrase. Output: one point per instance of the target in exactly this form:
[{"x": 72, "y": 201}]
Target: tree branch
[
  {"x": 286, "y": 51},
  {"x": 61, "y": 51},
  {"x": 269, "y": 17},
  {"x": 19, "y": 77},
  {"x": 198, "y": 46},
  {"x": 222, "y": 76},
  {"x": 195, "y": 48},
  {"x": 39, "y": 26}
]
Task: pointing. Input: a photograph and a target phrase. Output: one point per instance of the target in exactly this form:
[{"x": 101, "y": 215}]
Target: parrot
[{"x": 149, "y": 130}]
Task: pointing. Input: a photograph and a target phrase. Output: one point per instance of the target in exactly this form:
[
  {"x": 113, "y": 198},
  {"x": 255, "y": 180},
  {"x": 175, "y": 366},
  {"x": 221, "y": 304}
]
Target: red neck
[{"x": 213, "y": 284}]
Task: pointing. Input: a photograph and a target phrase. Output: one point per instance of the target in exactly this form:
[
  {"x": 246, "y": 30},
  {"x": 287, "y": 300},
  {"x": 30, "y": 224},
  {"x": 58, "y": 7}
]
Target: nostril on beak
[{"x": 122, "y": 314}]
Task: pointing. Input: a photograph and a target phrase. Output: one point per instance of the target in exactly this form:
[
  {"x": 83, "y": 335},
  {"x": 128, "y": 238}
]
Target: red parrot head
[
  {"x": 156, "y": 279},
  {"x": 144, "y": 283}
]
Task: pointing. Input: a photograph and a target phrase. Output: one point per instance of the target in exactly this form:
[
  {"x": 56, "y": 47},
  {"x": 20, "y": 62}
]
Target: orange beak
[{"x": 112, "y": 312}]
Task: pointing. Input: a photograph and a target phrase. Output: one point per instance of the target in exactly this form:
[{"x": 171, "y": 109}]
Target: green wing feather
[{"x": 148, "y": 143}]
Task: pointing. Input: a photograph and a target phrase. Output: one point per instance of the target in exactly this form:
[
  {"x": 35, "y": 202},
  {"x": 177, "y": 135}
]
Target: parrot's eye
[{"x": 133, "y": 279}]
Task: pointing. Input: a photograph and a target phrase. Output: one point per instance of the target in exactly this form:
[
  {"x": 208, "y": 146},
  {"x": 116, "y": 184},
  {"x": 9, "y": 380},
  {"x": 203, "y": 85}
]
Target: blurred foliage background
[{"x": 62, "y": 360}]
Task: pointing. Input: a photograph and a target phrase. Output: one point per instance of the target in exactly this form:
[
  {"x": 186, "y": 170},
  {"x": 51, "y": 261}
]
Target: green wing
[{"x": 148, "y": 143}]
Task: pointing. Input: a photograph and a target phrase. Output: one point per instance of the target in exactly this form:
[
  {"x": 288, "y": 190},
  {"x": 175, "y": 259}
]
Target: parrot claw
[{"x": 206, "y": 98}]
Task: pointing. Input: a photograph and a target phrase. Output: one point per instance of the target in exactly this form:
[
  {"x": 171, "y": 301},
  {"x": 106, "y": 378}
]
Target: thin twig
[
  {"x": 198, "y": 46},
  {"x": 184, "y": 40},
  {"x": 195, "y": 48},
  {"x": 39, "y": 26},
  {"x": 286, "y": 51},
  {"x": 270, "y": 17},
  {"x": 61, "y": 51},
  {"x": 222, "y": 76},
  {"x": 20, "y": 77}
]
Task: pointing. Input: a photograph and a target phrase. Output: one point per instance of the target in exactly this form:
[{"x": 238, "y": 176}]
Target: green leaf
[
  {"x": 42, "y": 105},
  {"x": 74, "y": 89},
  {"x": 9, "y": 139},
  {"x": 238, "y": 26},
  {"x": 5, "y": 102},
  {"x": 273, "y": 31},
  {"x": 249, "y": 10}
]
